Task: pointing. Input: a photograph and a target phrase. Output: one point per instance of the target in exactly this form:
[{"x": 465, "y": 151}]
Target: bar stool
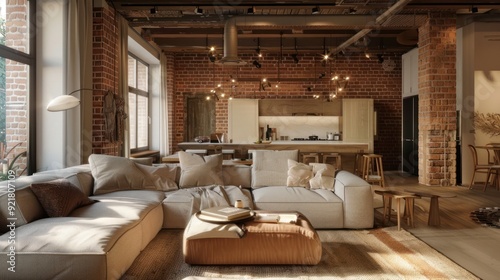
[
  {"x": 310, "y": 157},
  {"x": 409, "y": 203},
  {"x": 373, "y": 171},
  {"x": 358, "y": 164},
  {"x": 336, "y": 157},
  {"x": 201, "y": 152}
]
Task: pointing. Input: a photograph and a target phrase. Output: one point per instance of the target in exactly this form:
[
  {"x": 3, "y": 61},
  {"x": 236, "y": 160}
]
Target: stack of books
[{"x": 227, "y": 213}]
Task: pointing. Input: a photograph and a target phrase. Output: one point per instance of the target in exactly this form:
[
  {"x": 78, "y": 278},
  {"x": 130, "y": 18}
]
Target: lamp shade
[{"x": 62, "y": 103}]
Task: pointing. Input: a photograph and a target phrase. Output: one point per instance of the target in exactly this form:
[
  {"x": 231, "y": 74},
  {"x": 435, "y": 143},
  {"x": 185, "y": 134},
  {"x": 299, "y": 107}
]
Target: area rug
[{"x": 382, "y": 253}]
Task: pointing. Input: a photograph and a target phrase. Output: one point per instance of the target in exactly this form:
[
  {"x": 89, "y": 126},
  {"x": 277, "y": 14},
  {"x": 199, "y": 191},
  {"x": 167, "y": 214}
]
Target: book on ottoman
[{"x": 227, "y": 213}]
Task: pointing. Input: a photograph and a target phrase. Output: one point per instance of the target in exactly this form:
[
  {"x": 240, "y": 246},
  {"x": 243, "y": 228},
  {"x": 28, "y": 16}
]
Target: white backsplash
[{"x": 302, "y": 126}]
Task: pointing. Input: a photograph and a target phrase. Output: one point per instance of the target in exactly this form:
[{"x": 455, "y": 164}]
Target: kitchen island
[{"x": 319, "y": 146}]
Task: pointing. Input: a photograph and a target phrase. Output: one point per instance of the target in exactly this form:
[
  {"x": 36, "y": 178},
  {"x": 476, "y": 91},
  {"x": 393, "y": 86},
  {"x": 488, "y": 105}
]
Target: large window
[
  {"x": 138, "y": 96},
  {"x": 16, "y": 86}
]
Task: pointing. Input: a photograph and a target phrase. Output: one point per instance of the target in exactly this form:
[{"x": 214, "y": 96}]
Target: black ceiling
[{"x": 175, "y": 26}]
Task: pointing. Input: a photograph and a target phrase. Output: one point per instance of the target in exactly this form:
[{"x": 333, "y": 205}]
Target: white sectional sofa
[{"x": 133, "y": 202}]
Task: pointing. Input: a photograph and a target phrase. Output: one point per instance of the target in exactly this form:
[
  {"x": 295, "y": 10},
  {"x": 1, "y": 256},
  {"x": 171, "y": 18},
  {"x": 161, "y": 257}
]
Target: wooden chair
[{"x": 479, "y": 168}]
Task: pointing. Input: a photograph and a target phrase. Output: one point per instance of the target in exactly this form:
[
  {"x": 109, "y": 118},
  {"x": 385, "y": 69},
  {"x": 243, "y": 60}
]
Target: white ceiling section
[{"x": 175, "y": 27}]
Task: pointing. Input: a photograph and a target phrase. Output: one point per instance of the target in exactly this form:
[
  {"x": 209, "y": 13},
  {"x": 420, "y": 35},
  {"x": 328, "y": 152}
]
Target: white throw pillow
[
  {"x": 270, "y": 168},
  {"x": 324, "y": 177},
  {"x": 199, "y": 171},
  {"x": 299, "y": 174}
]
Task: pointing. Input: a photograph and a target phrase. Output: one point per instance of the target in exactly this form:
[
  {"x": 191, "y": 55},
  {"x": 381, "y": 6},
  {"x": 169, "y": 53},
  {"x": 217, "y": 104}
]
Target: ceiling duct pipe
[
  {"x": 231, "y": 28},
  {"x": 393, "y": 10}
]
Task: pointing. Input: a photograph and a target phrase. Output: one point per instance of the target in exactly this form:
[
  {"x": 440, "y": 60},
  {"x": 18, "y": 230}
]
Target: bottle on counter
[{"x": 268, "y": 133}]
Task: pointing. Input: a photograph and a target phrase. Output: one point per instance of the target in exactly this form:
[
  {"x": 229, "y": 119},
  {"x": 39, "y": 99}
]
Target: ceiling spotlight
[
  {"x": 315, "y": 10},
  {"x": 352, "y": 11},
  {"x": 256, "y": 64},
  {"x": 257, "y": 50},
  {"x": 295, "y": 58},
  {"x": 251, "y": 11},
  {"x": 198, "y": 11},
  {"x": 367, "y": 54},
  {"x": 153, "y": 10},
  {"x": 321, "y": 75},
  {"x": 474, "y": 10},
  {"x": 211, "y": 57}
]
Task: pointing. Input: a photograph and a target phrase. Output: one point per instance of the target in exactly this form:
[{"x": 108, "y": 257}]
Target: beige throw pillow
[
  {"x": 270, "y": 167},
  {"x": 59, "y": 197},
  {"x": 113, "y": 173},
  {"x": 199, "y": 171},
  {"x": 299, "y": 174},
  {"x": 324, "y": 177},
  {"x": 163, "y": 177}
]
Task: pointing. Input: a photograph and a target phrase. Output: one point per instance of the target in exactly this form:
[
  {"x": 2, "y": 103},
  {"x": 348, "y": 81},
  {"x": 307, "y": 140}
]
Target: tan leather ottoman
[{"x": 261, "y": 243}]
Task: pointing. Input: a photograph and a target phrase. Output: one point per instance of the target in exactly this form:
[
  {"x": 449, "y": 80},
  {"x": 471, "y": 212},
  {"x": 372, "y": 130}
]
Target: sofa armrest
[{"x": 358, "y": 200}]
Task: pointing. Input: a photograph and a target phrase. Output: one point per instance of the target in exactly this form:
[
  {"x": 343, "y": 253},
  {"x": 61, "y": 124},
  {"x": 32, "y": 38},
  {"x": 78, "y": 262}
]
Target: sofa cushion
[
  {"x": 162, "y": 176},
  {"x": 322, "y": 207},
  {"x": 237, "y": 175},
  {"x": 200, "y": 171},
  {"x": 270, "y": 167},
  {"x": 299, "y": 174},
  {"x": 58, "y": 198},
  {"x": 324, "y": 178}
]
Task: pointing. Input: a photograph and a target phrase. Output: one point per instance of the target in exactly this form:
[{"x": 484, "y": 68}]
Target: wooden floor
[{"x": 469, "y": 244}]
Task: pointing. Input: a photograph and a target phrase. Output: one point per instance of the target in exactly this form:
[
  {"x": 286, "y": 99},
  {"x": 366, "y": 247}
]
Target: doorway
[
  {"x": 410, "y": 135},
  {"x": 200, "y": 119}
]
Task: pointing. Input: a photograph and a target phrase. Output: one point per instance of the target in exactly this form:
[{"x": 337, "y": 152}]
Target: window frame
[
  {"x": 30, "y": 60},
  {"x": 139, "y": 92}
]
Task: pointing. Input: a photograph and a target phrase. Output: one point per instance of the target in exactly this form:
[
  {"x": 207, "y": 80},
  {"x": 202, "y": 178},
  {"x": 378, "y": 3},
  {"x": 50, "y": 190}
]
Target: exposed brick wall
[
  {"x": 17, "y": 80},
  {"x": 193, "y": 74},
  {"x": 105, "y": 75},
  {"x": 437, "y": 100}
]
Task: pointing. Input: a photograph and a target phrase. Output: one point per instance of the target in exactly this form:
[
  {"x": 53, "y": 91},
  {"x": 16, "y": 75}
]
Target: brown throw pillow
[{"x": 59, "y": 197}]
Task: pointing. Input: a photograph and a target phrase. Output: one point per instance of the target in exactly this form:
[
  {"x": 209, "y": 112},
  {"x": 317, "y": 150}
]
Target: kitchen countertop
[{"x": 303, "y": 146}]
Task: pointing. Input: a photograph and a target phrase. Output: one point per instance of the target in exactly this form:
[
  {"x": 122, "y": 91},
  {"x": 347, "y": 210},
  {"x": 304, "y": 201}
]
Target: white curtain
[
  {"x": 123, "y": 79},
  {"x": 78, "y": 136},
  {"x": 164, "y": 109}
]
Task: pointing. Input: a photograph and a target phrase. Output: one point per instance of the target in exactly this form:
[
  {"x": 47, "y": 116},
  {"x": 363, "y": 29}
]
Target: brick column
[
  {"x": 437, "y": 100},
  {"x": 105, "y": 75}
]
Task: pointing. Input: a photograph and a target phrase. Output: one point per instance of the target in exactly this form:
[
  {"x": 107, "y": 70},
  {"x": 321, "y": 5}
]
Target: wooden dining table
[{"x": 493, "y": 150}]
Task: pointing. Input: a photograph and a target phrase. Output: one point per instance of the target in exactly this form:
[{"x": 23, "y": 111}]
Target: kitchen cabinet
[
  {"x": 243, "y": 120},
  {"x": 358, "y": 121},
  {"x": 299, "y": 107},
  {"x": 410, "y": 73}
]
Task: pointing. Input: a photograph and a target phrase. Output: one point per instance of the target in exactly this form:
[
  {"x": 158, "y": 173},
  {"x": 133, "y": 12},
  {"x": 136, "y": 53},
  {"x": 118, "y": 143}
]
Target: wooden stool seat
[
  {"x": 310, "y": 157},
  {"x": 228, "y": 153},
  {"x": 336, "y": 157},
  {"x": 373, "y": 171}
]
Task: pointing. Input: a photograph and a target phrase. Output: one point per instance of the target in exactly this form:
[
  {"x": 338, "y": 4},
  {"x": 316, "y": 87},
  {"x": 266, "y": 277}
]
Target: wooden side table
[{"x": 434, "y": 219}]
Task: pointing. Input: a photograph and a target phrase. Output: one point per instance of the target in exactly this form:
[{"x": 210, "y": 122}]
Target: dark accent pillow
[{"x": 59, "y": 197}]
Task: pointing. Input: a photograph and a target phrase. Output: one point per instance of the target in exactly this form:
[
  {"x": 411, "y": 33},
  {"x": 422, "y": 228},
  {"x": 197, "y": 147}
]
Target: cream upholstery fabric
[
  {"x": 299, "y": 174},
  {"x": 200, "y": 171},
  {"x": 237, "y": 175},
  {"x": 117, "y": 173},
  {"x": 163, "y": 177},
  {"x": 324, "y": 177},
  {"x": 357, "y": 196},
  {"x": 323, "y": 208},
  {"x": 270, "y": 167}
]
